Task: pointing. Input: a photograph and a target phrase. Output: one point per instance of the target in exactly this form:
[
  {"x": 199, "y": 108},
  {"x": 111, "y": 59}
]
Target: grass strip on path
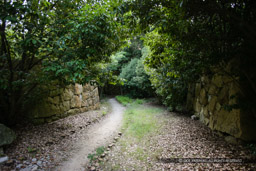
[{"x": 140, "y": 123}]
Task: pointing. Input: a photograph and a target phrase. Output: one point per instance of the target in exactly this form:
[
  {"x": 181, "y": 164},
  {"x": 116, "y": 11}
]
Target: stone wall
[
  {"x": 63, "y": 102},
  {"x": 212, "y": 98}
]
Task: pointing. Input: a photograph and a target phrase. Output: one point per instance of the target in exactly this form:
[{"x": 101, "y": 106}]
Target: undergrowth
[
  {"x": 125, "y": 100},
  {"x": 99, "y": 152},
  {"x": 140, "y": 121}
]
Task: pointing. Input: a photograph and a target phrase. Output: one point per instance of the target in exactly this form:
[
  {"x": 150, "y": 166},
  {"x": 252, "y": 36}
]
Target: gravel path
[
  {"x": 99, "y": 134},
  {"x": 63, "y": 144},
  {"x": 176, "y": 137}
]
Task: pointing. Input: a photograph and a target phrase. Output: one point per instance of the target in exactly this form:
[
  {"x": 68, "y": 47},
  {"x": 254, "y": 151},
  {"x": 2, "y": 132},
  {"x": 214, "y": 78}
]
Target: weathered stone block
[
  {"x": 212, "y": 103},
  {"x": 223, "y": 95},
  {"x": 67, "y": 95},
  {"x": 78, "y": 89},
  {"x": 54, "y": 100},
  {"x": 65, "y": 106},
  {"x": 85, "y": 103},
  {"x": 197, "y": 106},
  {"x": 233, "y": 92},
  {"x": 84, "y": 109},
  {"x": 203, "y": 98},
  {"x": 218, "y": 106},
  {"x": 63, "y": 102},
  {"x": 227, "y": 79},
  {"x": 90, "y": 102},
  {"x": 86, "y": 88},
  {"x": 7, "y": 135},
  {"x": 55, "y": 92},
  {"x": 228, "y": 122},
  {"x": 201, "y": 115},
  {"x": 91, "y": 88},
  {"x": 206, "y": 121},
  {"x": 85, "y": 95},
  {"x": 44, "y": 110},
  {"x": 217, "y": 80},
  {"x": 197, "y": 89},
  {"x": 97, "y": 106},
  {"x": 94, "y": 101},
  {"x": 73, "y": 111},
  {"x": 213, "y": 90},
  {"x": 205, "y": 80},
  {"x": 95, "y": 92},
  {"x": 206, "y": 112},
  {"x": 76, "y": 102}
]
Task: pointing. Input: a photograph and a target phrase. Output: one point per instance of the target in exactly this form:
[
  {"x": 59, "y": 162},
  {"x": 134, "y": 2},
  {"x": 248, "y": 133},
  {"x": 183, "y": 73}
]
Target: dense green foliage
[
  {"x": 51, "y": 42},
  {"x": 128, "y": 70},
  {"x": 188, "y": 38},
  {"x": 45, "y": 41}
]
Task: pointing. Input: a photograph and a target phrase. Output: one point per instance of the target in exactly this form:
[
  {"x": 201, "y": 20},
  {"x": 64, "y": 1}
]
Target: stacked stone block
[
  {"x": 64, "y": 102},
  {"x": 212, "y": 98}
]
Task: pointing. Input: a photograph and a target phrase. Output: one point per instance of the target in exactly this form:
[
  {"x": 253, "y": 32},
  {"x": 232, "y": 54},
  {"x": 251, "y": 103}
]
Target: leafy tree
[
  {"x": 194, "y": 36},
  {"x": 136, "y": 80},
  {"x": 127, "y": 68},
  {"x": 43, "y": 41}
]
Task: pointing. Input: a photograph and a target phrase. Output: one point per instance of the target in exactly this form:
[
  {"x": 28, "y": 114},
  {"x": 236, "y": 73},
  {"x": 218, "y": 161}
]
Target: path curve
[{"x": 100, "y": 134}]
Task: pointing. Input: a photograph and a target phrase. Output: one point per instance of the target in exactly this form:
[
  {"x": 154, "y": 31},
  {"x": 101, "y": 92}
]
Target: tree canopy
[
  {"x": 171, "y": 42},
  {"x": 43, "y": 41},
  {"x": 189, "y": 38}
]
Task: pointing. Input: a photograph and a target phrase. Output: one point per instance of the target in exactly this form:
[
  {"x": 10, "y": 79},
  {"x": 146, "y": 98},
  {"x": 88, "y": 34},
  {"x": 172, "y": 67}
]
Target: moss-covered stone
[
  {"x": 85, "y": 103},
  {"x": 197, "y": 106},
  {"x": 73, "y": 111},
  {"x": 203, "y": 99},
  {"x": 67, "y": 95},
  {"x": 223, "y": 95},
  {"x": 197, "y": 89},
  {"x": 212, "y": 103},
  {"x": 228, "y": 122},
  {"x": 63, "y": 102},
  {"x": 210, "y": 98},
  {"x": 54, "y": 100},
  {"x": 78, "y": 89},
  {"x": 233, "y": 93},
  {"x": 248, "y": 126},
  {"x": 218, "y": 106},
  {"x": 56, "y": 92},
  {"x": 217, "y": 80},
  {"x": 213, "y": 90},
  {"x": 7, "y": 135},
  {"x": 65, "y": 106},
  {"x": 76, "y": 102},
  {"x": 38, "y": 121},
  {"x": 85, "y": 96},
  {"x": 90, "y": 102},
  {"x": 45, "y": 109},
  {"x": 84, "y": 109}
]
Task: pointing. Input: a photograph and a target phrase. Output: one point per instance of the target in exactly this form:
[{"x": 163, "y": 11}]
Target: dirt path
[
  {"x": 175, "y": 137},
  {"x": 98, "y": 135}
]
